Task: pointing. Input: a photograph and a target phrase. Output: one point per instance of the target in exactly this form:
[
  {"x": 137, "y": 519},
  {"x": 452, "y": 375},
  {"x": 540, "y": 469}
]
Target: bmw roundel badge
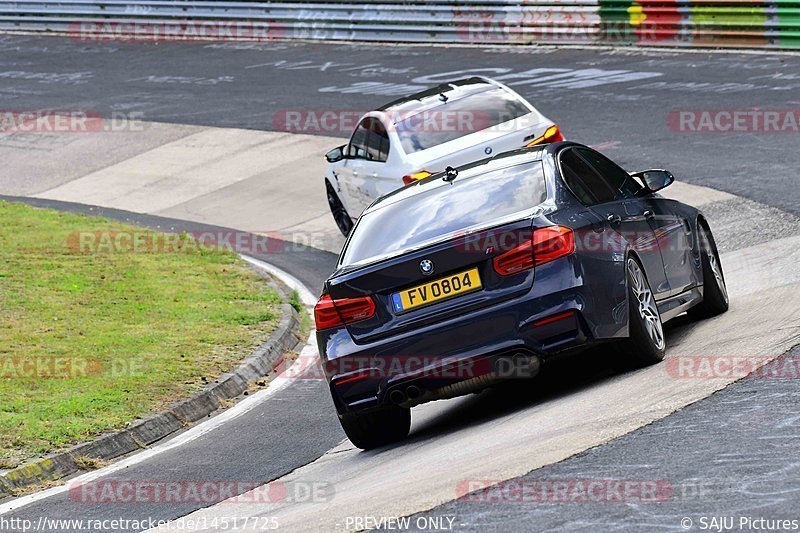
[
  {"x": 488, "y": 150},
  {"x": 426, "y": 266}
]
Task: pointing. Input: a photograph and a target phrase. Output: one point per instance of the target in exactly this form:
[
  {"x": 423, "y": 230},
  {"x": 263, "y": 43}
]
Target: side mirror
[
  {"x": 654, "y": 180},
  {"x": 337, "y": 154}
]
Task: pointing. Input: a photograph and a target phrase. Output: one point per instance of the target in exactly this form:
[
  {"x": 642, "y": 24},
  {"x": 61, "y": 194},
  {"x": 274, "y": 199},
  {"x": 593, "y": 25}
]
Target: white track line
[
  {"x": 308, "y": 353},
  {"x": 292, "y": 282}
]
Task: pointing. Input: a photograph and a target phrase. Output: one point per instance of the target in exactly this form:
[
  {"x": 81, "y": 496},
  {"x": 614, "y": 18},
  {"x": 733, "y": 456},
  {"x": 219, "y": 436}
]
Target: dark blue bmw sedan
[{"x": 481, "y": 273}]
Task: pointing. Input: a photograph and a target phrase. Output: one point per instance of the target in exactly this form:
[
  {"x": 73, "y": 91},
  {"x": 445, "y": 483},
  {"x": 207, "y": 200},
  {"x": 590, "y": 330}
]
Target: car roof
[{"x": 457, "y": 88}]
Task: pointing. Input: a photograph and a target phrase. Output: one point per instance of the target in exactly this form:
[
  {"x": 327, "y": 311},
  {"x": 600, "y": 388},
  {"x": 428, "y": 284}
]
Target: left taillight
[
  {"x": 546, "y": 244},
  {"x": 330, "y": 313},
  {"x": 411, "y": 178},
  {"x": 551, "y": 135}
]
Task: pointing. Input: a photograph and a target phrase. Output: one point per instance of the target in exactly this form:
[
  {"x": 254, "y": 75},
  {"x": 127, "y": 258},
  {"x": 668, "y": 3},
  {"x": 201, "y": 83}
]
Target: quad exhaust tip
[
  {"x": 413, "y": 392},
  {"x": 518, "y": 365},
  {"x": 397, "y": 397}
]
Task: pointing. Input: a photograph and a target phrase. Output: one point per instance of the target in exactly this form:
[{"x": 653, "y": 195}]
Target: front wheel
[
  {"x": 645, "y": 344},
  {"x": 377, "y": 428},
  {"x": 715, "y": 292},
  {"x": 340, "y": 214}
]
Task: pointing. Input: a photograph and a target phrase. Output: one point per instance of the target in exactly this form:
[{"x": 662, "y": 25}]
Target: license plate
[{"x": 436, "y": 290}]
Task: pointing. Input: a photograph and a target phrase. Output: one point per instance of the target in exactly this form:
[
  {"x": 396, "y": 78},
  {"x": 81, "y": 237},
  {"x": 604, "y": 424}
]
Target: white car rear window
[{"x": 455, "y": 119}]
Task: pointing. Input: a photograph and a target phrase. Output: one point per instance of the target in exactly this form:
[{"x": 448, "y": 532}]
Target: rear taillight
[
  {"x": 551, "y": 243},
  {"x": 411, "y": 178},
  {"x": 545, "y": 245},
  {"x": 330, "y": 313},
  {"x": 551, "y": 135},
  {"x": 515, "y": 260}
]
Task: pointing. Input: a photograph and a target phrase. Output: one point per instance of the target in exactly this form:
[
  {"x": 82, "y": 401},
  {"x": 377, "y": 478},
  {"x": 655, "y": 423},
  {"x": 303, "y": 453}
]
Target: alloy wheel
[
  {"x": 713, "y": 262},
  {"x": 648, "y": 311},
  {"x": 340, "y": 215}
]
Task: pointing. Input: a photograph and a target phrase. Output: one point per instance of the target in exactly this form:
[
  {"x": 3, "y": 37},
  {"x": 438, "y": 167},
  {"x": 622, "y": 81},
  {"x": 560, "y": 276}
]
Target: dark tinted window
[
  {"x": 358, "y": 143},
  {"x": 378, "y": 141},
  {"x": 617, "y": 178},
  {"x": 442, "y": 209},
  {"x": 584, "y": 182},
  {"x": 457, "y": 118}
]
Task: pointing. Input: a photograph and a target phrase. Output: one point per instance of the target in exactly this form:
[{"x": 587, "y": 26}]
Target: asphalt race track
[
  {"x": 622, "y": 99},
  {"x": 733, "y": 453}
]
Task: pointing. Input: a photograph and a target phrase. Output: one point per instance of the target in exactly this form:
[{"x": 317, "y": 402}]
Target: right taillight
[
  {"x": 551, "y": 135},
  {"x": 545, "y": 245},
  {"x": 330, "y": 313}
]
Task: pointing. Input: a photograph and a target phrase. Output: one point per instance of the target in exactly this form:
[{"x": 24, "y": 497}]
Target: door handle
[
  {"x": 649, "y": 215},
  {"x": 613, "y": 218}
]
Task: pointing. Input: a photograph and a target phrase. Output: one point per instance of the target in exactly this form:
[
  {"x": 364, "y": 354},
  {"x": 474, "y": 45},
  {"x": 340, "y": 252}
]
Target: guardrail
[{"x": 706, "y": 23}]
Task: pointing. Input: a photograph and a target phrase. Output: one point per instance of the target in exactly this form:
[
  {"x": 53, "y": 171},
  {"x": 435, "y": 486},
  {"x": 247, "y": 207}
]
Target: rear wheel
[
  {"x": 377, "y": 428},
  {"x": 715, "y": 292},
  {"x": 340, "y": 214},
  {"x": 645, "y": 344}
]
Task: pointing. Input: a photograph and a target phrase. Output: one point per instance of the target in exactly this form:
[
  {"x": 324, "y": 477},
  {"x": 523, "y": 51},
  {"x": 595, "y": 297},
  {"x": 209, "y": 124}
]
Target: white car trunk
[{"x": 501, "y": 138}]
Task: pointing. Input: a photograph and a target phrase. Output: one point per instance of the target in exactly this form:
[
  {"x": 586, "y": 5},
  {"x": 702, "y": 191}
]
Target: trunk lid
[
  {"x": 390, "y": 276},
  {"x": 473, "y": 147}
]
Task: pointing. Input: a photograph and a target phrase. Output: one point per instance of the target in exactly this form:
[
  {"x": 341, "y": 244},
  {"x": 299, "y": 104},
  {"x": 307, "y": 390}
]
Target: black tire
[
  {"x": 377, "y": 428},
  {"x": 340, "y": 214},
  {"x": 715, "y": 292},
  {"x": 645, "y": 344}
]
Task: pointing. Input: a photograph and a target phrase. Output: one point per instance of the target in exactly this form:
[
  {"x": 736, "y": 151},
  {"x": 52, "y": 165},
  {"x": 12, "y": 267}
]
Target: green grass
[{"x": 141, "y": 330}]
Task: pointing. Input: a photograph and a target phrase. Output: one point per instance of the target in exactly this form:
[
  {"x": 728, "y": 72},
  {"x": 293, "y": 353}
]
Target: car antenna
[
  {"x": 450, "y": 174},
  {"x": 443, "y": 97}
]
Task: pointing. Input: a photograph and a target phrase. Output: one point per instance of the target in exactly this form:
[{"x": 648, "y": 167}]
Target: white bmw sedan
[{"x": 422, "y": 134}]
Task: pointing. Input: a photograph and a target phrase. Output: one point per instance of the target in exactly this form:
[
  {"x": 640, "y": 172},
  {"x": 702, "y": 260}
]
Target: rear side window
[
  {"x": 584, "y": 182},
  {"x": 377, "y": 142},
  {"x": 358, "y": 143},
  {"x": 458, "y": 118},
  {"x": 370, "y": 141},
  {"x": 442, "y": 210},
  {"x": 620, "y": 180}
]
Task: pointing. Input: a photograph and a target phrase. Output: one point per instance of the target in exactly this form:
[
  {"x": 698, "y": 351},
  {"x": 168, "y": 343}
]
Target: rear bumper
[
  {"x": 453, "y": 357},
  {"x": 444, "y": 379}
]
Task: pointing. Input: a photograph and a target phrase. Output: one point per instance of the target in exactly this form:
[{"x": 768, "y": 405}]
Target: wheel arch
[{"x": 702, "y": 222}]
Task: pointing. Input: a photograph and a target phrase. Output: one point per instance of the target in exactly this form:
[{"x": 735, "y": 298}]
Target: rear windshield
[
  {"x": 475, "y": 200},
  {"x": 458, "y": 118}
]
